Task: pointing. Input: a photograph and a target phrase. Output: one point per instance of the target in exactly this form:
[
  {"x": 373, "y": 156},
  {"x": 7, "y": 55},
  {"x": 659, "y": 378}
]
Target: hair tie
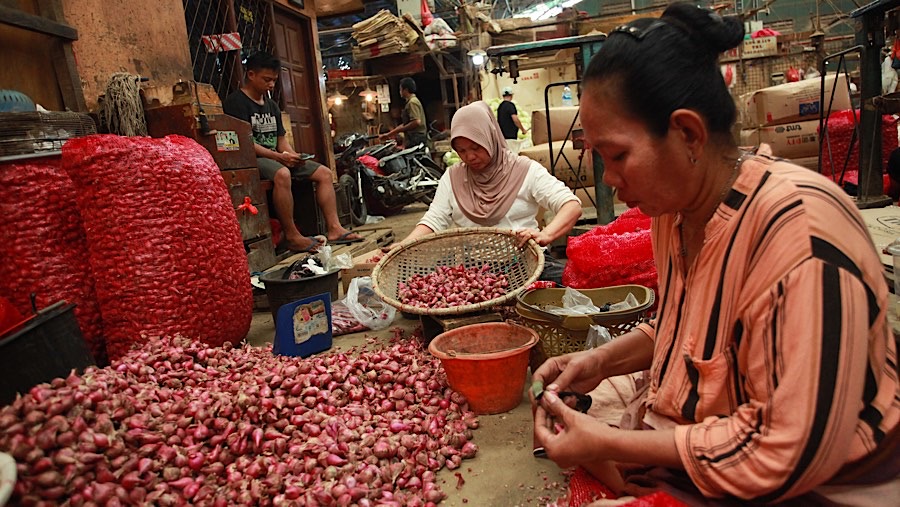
[{"x": 639, "y": 33}]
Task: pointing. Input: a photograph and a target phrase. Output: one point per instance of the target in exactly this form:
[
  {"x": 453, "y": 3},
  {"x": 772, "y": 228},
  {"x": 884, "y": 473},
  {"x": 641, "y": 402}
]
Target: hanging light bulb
[
  {"x": 478, "y": 56},
  {"x": 337, "y": 98},
  {"x": 368, "y": 94}
]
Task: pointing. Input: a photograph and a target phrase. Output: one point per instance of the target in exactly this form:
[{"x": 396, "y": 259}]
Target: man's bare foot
[{"x": 303, "y": 244}]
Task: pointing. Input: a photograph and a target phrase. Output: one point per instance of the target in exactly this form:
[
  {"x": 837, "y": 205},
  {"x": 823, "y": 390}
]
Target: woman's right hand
[
  {"x": 579, "y": 371},
  {"x": 392, "y": 246}
]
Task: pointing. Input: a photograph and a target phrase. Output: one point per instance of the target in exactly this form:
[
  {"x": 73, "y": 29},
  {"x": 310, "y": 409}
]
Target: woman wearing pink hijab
[{"x": 493, "y": 187}]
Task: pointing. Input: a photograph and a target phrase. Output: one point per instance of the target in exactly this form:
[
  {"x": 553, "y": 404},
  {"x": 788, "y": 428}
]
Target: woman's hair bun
[{"x": 706, "y": 28}]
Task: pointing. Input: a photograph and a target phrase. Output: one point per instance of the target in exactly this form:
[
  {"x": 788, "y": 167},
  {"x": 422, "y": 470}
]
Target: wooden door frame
[
  {"x": 52, "y": 22},
  {"x": 321, "y": 108}
]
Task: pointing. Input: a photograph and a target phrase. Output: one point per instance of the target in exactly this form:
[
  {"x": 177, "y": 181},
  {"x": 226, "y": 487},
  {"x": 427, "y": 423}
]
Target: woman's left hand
[
  {"x": 538, "y": 236},
  {"x": 569, "y": 437}
]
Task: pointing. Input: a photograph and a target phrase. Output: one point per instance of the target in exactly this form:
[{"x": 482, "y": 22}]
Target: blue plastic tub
[{"x": 303, "y": 327}]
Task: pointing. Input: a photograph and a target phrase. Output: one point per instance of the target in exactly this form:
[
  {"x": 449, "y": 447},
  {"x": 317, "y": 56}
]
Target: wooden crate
[
  {"x": 254, "y": 226},
  {"x": 307, "y": 215},
  {"x": 228, "y": 139},
  {"x": 260, "y": 254},
  {"x": 373, "y": 239},
  {"x": 198, "y": 95},
  {"x": 243, "y": 183},
  {"x": 433, "y": 325}
]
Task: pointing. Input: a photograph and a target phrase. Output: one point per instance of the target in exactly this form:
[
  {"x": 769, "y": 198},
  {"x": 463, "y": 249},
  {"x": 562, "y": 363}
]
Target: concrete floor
[{"x": 504, "y": 473}]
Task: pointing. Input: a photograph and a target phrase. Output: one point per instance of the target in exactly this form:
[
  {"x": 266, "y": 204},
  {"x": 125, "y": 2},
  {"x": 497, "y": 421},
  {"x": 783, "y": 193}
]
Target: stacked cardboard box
[
  {"x": 574, "y": 167},
  {"x": 786, "y": 117}
]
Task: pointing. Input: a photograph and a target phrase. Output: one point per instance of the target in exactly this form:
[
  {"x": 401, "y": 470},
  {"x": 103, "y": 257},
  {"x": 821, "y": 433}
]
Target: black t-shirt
[
  {"x": 505, "y": 112},
  {"x": 265, "y": 120}
]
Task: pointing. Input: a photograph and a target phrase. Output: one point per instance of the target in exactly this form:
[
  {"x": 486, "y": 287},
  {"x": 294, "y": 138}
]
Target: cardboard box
[
  {"x": 749, "y": 138},
  {"x": 360, "y": 268},
  {"x": 792, "y": 140},
  {"x": 568, "y": 175},
  {"x": 811, "y": 163},
  {"x": 560, "y": 121},
  {"x": 796, "y": 101}
]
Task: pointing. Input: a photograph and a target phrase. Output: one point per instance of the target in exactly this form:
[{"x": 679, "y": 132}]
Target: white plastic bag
[
  {"x": 366, "y": 306},
  {"x": 574, "y": 303},
  {"x": 333, "y": 262},
  {"x": 597, "y": 336}
]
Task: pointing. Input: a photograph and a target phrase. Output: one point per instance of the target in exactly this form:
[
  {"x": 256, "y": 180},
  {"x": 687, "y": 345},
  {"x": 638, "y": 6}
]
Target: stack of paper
[{"x": 382, "y": 34}]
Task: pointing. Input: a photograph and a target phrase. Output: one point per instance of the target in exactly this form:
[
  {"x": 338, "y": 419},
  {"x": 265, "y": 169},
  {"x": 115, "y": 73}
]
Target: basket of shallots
[{"x": 457, "y": 271}]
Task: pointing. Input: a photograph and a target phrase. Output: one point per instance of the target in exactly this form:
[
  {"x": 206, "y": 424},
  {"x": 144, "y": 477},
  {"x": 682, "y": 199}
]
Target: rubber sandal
[
  {"x": 317, "y": 241},
  {"x": 343, "y": 240}
]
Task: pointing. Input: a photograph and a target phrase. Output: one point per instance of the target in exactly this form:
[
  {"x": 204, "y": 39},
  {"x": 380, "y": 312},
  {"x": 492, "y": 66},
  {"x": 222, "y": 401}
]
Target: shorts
[
  {"x": 553, "y": 269},
  {"x": 268, "y": 168}
]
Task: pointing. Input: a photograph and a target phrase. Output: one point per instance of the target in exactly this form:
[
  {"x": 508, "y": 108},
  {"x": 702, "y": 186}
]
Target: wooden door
[{"x": 299, "y": 83}]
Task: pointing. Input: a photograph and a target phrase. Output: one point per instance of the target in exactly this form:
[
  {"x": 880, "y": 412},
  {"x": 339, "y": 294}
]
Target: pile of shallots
[
  {"x": 178, "y": 422},
  {"x": 450, "y": 286}
]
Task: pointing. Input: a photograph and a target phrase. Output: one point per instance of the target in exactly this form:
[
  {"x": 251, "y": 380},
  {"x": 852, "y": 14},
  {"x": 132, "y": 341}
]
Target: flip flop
[
  {"x": 317, "y": 241},
  {"x": 344, "y": 240}
]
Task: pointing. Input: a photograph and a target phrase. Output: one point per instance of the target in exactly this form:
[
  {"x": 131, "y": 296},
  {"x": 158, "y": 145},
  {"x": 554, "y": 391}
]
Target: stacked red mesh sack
[
  {"x": 43, "y": 246},
  {"x": 162, "y": 238},
  {"x": 617, "y": 253},
  {"x": 836, "y": 145}
]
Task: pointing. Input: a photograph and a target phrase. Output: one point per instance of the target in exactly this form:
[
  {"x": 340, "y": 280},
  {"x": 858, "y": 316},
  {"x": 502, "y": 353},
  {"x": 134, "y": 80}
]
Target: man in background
[
  {"x": 508, "y": 116},
  {"x": 277, "y": 160},
  {"x": 413, "y": 124}
]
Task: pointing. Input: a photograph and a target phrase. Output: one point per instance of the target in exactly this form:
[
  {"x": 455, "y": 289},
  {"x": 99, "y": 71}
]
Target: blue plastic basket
[{"x": 303, "y": 327}]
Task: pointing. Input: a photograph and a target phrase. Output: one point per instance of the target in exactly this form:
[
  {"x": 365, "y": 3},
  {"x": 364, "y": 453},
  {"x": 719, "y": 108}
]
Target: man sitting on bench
[{"x": 276, "y": 159}]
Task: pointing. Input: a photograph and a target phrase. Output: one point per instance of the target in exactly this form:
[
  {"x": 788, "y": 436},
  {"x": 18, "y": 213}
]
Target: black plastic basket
[
  {"x": 49, "y": 346},
  {"x": 281, "y": 292}
]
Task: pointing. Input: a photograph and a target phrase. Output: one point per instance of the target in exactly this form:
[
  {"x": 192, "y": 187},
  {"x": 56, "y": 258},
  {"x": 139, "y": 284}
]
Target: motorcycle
[{"x": 383, "y": 179}]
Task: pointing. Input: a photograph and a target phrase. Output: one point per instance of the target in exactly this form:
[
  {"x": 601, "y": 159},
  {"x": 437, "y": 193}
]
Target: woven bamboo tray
[
  {"x": 470, "y": 247},
  {"x": 561, "y": 334}
]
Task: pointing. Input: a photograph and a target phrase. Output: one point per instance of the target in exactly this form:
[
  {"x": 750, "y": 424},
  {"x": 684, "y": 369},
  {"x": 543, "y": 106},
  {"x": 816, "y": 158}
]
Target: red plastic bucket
[{"x": 486, "y": 363}]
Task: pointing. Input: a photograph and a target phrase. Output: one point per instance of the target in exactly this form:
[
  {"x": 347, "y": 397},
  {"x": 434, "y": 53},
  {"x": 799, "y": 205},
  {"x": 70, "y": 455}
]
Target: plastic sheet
[{"x": 163, "y": 240}]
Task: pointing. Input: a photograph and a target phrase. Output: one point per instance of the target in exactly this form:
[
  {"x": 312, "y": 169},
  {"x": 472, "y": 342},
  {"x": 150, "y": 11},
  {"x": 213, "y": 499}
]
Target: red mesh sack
[
  {"x": 618, "y": 253},
  {"x": 584, "y": 489},
  {"x": 43, "y": 246},
  {"x": 837, "y": 143},
  {"x": 163, "y": 239}
]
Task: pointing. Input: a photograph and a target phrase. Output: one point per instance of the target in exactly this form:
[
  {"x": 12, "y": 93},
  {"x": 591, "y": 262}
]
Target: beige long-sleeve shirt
[{"x": 773, "y": 356}]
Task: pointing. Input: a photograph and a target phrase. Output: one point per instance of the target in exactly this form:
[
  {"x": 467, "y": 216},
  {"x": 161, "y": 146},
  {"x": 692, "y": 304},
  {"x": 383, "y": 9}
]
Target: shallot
[
  {"x": 452, "y": 286},
  {"x": 180, "y": 422}
]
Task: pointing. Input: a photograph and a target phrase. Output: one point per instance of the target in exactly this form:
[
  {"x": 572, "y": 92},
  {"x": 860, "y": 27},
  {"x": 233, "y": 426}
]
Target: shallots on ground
[
  {"x": 450, "y": 286},
  {"x": 178, "y": 423}
]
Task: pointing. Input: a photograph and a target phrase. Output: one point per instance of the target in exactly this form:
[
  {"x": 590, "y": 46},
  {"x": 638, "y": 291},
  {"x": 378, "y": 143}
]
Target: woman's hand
[
  {"x": 539, "y": 237},
  {"x": 392, "y": 246},
  {"x": 569, "y": 437},
  {"x": 579, "y": 371}
]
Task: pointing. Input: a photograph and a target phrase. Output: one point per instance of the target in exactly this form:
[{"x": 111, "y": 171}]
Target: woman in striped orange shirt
[{"x": 772, "y": 367}]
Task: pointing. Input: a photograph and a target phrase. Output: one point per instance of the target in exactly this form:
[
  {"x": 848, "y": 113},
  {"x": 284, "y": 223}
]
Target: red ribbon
[{"x": 248, "y": 206}]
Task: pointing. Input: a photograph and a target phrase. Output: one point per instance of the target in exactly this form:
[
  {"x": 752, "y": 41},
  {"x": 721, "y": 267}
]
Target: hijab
[{"x": 485, "y": 196}]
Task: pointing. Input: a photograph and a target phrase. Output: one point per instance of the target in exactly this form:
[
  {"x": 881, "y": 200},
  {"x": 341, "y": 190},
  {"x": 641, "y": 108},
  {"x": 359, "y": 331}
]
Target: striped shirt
[{"x": 773, "y": 356}]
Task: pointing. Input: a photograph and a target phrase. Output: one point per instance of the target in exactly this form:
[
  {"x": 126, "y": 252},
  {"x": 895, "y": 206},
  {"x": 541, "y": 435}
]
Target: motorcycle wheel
[
  {"x": 436, "y": 173},
  {"x": 358, "y": 210},
  {"x": 374, "y": 205}
]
